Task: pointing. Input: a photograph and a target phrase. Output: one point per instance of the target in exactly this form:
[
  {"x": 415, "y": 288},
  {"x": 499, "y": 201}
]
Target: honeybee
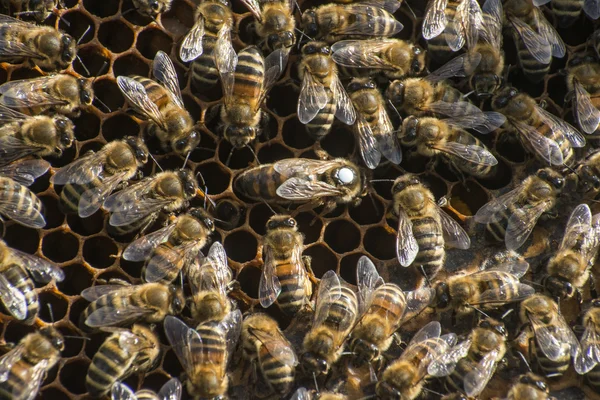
[
  {"x": 123, "y": 353},
  {"x": 569, "y": 269},
  {"x": 203, "y": 352},
  {"x": 118, "y": 304},
  {"x": 172, "y": 248},
  {"x": 44, "y": 46},
  {"x": 17, "y": 291},
  {"x": 138, "y": 205},
  {"x": 567, "y": 12},
  {"x": 373, "y": 126},
  {"x": 447, "y": 24},
  {"x": 395, "y": 58},
  {"x": 301, "y": 180},
  {"x": 423, "y": 227},
  {"x": 161, "y": 102},
  {"x": 405, "y": 377},
  {"x": 535, "y": 38},
  {"x": 494, "y": 285},
  {"x": 582, "y": 82},
  {"x": 470, "y": 364},
  {"x": 335, "y": 314},
  {"x": 322, "y": 95},
  {"x": 152, "y": 8},
  {"x": 589, "y": 359},
  {"x": 512, "y": 216},
  {"x": 275, "y": 22},
  {"x": 22, "y": 135},
  {"x": 16, "y": 201},
  {"x": 26, "y": 365},
  {"x": 39, "y": 9},
  {"x": 264, "y": 344},
  {"x": 463, "y": 151},
  {"x": 333, "y": 22},
  {"x": 61, "y": 93},
  {"x": 529, "y": 387},
  {"x": 92, "y": 178},
  {"x": 383, "y": 309},
  {"x": 588, "y": 174},
  {"x": 169, "y": 391},
  {"x": 209, "y": 280},
  {"x": 304, "y": 394},
  {"x": 209, "y": 38}
]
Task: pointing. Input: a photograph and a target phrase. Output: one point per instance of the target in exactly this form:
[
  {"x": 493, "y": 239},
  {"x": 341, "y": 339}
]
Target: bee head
[
  {"x": 281, "y": 40},
  {"x": 405, "y": 181},
  {"x": 281, "y": 221},
  {"x": 66, "y": 135},
  {"x": 311, "y": 363},
  {"x": 551, "y": 177},
  {"x": 177, "y": 299},
  {"x": 361, "y": 83},
  {"x": 364, "y": 350},
  {"x": 418, "y": 63},
  {"x": 558, "y": 287},
  {"x": 316, "y": 47},
  {"x": 69, "y": 49},
  {"x": 54, "y": 336},
  {"x": 139, "y": 148},
  {"x": 386, "y": 390},
  {"x": 309, "y": 22},
  {"x": 188, "y": 181},
  {"x": 485, "y": 85},
  {"x": 494, "y": 326},
  {"x": 395, "y": 92},
  {"x": 442, "y": 295},
  {"x": 503, "y": 97},
  {"x": 42, "y": 8},
  {"x": 186, "y": 144},
  {"x": 409, "y": 129},
  {"x": 589, "y": 181},
  {"x": 86, "y": 93},
  {"x": 240, "y": 136},
  {"x": 534, "y": 380}
]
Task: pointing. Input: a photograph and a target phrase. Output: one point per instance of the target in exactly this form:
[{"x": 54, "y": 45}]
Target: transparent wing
[
  {"x": 552, "y": 37},
  {"x": 298, "y": 189},
  {"x": 163, "y": 70},
  {"x": 362, "y": 53},
  {"x": 482, "y": 122},
  {"x": 476, "y": 380},
  {"x": 95, "y": 292},
  {"x": 313, "y": 98},
  {"x": 446, "y": 363},
  {"x": 304, "y": 166},
  {"x": 13, "y": 299},
  {"x": 8, "y": 360},
  {"x": 416, "y": 301},
  {"x": 367, "y": 280},
  {"x": 92, "y": 199},
  {"x": 185, "y": 341},
  {"x": 493, "y": 210},
  {"x": 121, "y": 391},
  {"x": 41, "y": 270},
  {"x": 117, "y": 201},
  {"x": 592, "y": 8},
  {"x": 141, "y": 249},
  {"x": 555, "y": 340},
  {"x": 546, "y": 148},
  {"x": 80, "y": 171},
  {"x": 521, "y": 223},
  {"x": 136, "y": 210},
  {"x": 375, "y": 25},
  {"x": 301, "y": 394},
  {"x": 275, "y": 64},
  {"x": 467, "y": 13},
  {"x": 590, "y": 349},
  {"x": 171, "y": 390},
  {"x": 12, "y": 148},
  {"x": 431, "y": 330},
  {"x": 386, "y": 137},
  {"x": 226, "y": 61},
  {"x": 493, "y": 22},
  {"x": 472, "y": 153},
  {"x": 218, "y": 262},
  {"x": 587, "y": 115},
  {"x": 191, "y": 47},
  {"x": 367, "y": 143},
  {"x": 558, "y": 125},
  {"x": 390, "y": 6},
  {"x": 435, "y": 19},
  {"x": 33, "y": 381},
  {"x": 231, "y": 326},
  {"x": 454, "y": 68},
  {"x": 137, "y": 97},
  {"x": 13, "y": 204},
  {"x": 25, "y": 172},
  {"x": 329, "y": 291},
  {"x": 454, "y": 234},
  {"x": 536, "y": 44},
  {"x": 269, "y": 287},
  {"x": 254, "y": 7},
  {"x": 407, "y": 247},
  {"x": 277, "y": 348},
  {"x": 344, "y": 110},
  {"x": 157, "y": 268},
  {"x": 30, "y": 92},
  {"x": 578, "y": 225},
  {"x": 509, "y": 291},
  {"x": 109, "y": 315}
]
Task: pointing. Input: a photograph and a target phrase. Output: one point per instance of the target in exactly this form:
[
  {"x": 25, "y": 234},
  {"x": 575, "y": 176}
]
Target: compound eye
[
  {"x": 209, "y": 223},
  {"x": 61, "y": 124},
  {"x": 290, "y": 222},
  {"x": 154, "y": 5},
  {"x": 417, "y": 50},
  {"x": 513, "y": 92}
]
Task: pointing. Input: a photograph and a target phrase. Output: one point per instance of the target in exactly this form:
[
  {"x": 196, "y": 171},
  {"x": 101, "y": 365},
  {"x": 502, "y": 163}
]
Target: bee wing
[
  {"x": 386, "y": 138},
  {"x": 191, "y": 47},
  {"x": 344, "y": 109},
  {"x": 558, "y": 125},
  {"x": 231, "y": 326},
  {"x": 25, "y": 172},
  {"x": 552, "y": 37},
  {"x": 521, "y": 223},
  {"x": 8, "y": 360},
  {"x": 476, "y": 380},
  {"x": 367, "y": 280},
  {"x": 33, "y": 380},
  {"x": 367, "y": 143},
  {"x": 492, "y": 32},
  {"x": 12, "y": 148},
  {"x": 14, "y": 47},
  {"x": 120, "y": 391},
  {"x": 472, "y": 153},
  {"x": 303, "y": 166},
  {"x": 92, "y": 199},
  {"x": 81, "y": 171},
  {"x": 508, "y": 292},
  {"x": 269, "y": 287},
  {"x": 435, "y": 19},
  {"x": 141, "y": 249},
  {"x": 301, "y": 394},
  {"x": 482, "y": 122},
  {"x": 416, "y": 301},
  {"x": 536, "y": 44},
  {"x": 185, "y": 341},
  {"x": 41, "y": 270},
  {"x": 12, "y": 299},
  {"x": 214, "y": 273},
  {"x": 590, "y": 350},
  {"x": 226, "y": 61},
  {"x": 454, "y": 234},
  {"x": 373, "y": 26},
  {"x": 362, "y": 53},
  {"x": 516, "y": 268},
  {"x": 407, "y": 247},
  {"x": 135, "y": 192},
  {"x": 254, "y": 7},
  {"x": 431, "y": 330},
  {"x": 445, "y": 364},
  {"x": 457, "y": 67},
  {"x": 171, "y": 390},
  {"x": 163, "y": 70},
  {"x": 110, "y": 315},
  {"x": 546, "y": 148},
  {"x": 13, "y": 204},
  {"x": 8, "y": 115},
  {"x": 157, "y": 268},
  {"x": 492, "y": 211},
  {"x": 137, "y": 97},
  {"x": 555, "y": 340},
  {"x": 27, "y": 92},
  {"x": 579, "y": 223},
  {"x": 135, "y": 210},
  {"x": 464, "y": 27},
  {"x": 275, "y": 64},
  {"x": 390, "y": 6},
  {"x": 326, "y": 295},
  {"x": 297, "y": 189},
  {"x": 277, "y": 348},
  {"x": 313, "y": 98},
  {"x": 95, "y": 292},
  {"x": 587, "y": 115},
  {"x": 592, "y": 8}
]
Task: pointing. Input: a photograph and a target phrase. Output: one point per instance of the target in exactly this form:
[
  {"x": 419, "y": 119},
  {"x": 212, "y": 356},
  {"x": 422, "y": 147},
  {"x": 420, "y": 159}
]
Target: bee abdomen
[
  {"x": 10, "y": 189},
  {"x": 15, "y": 383},
  {"x": 322, "y": 122},
  {"x": 110, "y": 364},
  {"x": 204, "y": 70},
  {"x": 279, "y": 376},
  {"x": 567, "y": 11},
  {"x": 19, "y": 279},
  {"x": 534, "y": 69},
  {"x": 292, "y": 296},
  {"x": 71, "y": 194},
  {"x": 593, "y": 378},
  {"x": 259, "y": 184},
  {"x": 388, "y": 300},
  {"x": 249, "y": 73},
  {"x": 339, "y": 310},
  {"x": 549, "y": 367}
]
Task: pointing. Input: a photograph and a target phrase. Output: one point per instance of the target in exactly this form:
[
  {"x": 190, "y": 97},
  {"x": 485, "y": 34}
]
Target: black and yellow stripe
[
  {"x": 27, "y": 205},
  {"x": 322, "y": 122},
  {"x": 204, "y": 70},
  {"x": 437, "y": 47},
  {"x": 259, "y": 183},
  {"x": 567, "y": 11},
  {"x": 427, "y": 231},
  {"x": 18, "y": 278}
]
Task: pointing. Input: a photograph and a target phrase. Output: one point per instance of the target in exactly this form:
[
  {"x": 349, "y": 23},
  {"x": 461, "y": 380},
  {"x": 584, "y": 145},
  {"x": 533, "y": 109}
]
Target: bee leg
[
  {"x": 211, "y": 113},
  {"x": 307, "y": 260},
  {"x": 329, "y": 207},
  {"x": 593, "y": 292}
]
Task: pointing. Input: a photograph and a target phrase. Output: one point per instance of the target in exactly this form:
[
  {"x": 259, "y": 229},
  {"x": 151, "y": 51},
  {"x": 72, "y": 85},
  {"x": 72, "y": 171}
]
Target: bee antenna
[
  {"x": 373, "y": 201},
  {"x": 381, "y": 180},
  {"x": 479, "y": 311},
  {"x": 315, "y": 381},
  {"x": 87, "y": 71},
  {"x": 395, "y": 110},
  {"x": 83, "y": 34},
  {"x": 297, "y": 7},
  {"x": 229, "y": 157},
  {"x": 100, "y": 71},
  {"x": 468, "y": 94},
  {"x": 186, "y": 159},
  {"x": 522, "y": 357},
  {"x": 128, "y": 11},
  {"x": 410, "y": 9},
  {"x": 76, "y": 337},
  {"x": 532, "y": 283},
  {"x": 425, "y": 275},
  {"x": 253, "y": 153},
  {"x": 67, "y": 23},
  {"x": 433, "y": 392},
  {"x": 156, "y": 162},
  {"x": 96, "y": 98},
  {"x": 50, "y": 312},
  {"x": 507, "y": 313},
  {"x": 270, "y": 208}
]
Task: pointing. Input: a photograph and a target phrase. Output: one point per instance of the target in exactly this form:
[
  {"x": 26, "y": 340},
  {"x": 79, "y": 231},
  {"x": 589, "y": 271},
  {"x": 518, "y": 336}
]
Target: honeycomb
[{"x": 127, "y": 42}]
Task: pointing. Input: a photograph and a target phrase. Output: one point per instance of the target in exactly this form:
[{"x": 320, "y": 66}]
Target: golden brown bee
[
  {"x": 583, "y": 82},
  {"x": 555, "y": 344},
  {"x": 204, "y": 352},
  {"x": 42, "y": 135},
  {"x": 16, "y": 201},
  {"x": 119, "y": 304},
  {"x": 304, "y": 394},
  {"x": 39, "y": 9},
  {"x": 568, "y": 11},
  {"x": 209, "y": 38},
  {"x": 470, "y": 364},
  {"x": 26, "y": 365},
  {"x": 92, "y": 178},
  {"x": 395, "y": 58},
  {"x": 334, "y": 22},
  {"x": 535, "y": 38},
  {"x": 172, "y": 248},
  {"x": 209, "y": 280},
  {"x": 61, "y": 93},
  {"x": 169, "y": 391},
  {"x": 589, "y": 360},
  {"x": 275, "y": 22},
  {"x": 384, "y": 307},
  {"x": 432, "y": 137},
  {"x": 405, "y": 377},
  {"x": 322, "y": 96},
  {"x": 423, "y": 227},
  {"x": 161, "y": 102},
  {"x": 529, "y": 387},
  {"x": 139, "y": 205},
  {"x": 17, "y": 290},
  {"x": 335, "y": 314},
  {"x": 22, "y": 42},
  {"x": 123, "y": 353},
  {"x": 152, "y": 8},
  {"x": 512, "y": 216},
  {"x": 494, "y": 285},
  {"x": 302, "y": 180},
  {"x": 284, "y": 278},
  {"x": 264, "y": 344},
  {"x": 569, "y": 269},
  {"x": 245, "y": 86},
  {"x": 373, "y": 127}
]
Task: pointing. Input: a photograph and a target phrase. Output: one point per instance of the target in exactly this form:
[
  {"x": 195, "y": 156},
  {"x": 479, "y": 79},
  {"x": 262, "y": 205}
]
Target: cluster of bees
[{"x": 350, "y": 68}]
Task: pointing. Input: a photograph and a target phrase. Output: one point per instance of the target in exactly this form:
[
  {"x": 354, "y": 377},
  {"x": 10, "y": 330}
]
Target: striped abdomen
[
  {"x": 467, "y": 166},
  {"x": 437, "y": 47},
  {"x": 156, "y": 92},
  {"x": 342, "y": 313},
  {"x": 369, "y": 17},
  {"x": 18, "y": 278},
  {"x": 593, "y": 378},
  {"x": 249, "y": 74},
  {"x": 557, "y": 136},
  {"x": 165, "y": 258},
  {"x": 552, "y": 369},
  {"x": 20, "y": 200},
  {"x": 567, "y": 11},
  {"x": 455, "y": 381},
  {"x": 213, "y": 346},
  {"x": 71, "y": 194},
  {"x": 204, "y": 70},
  {"x": 322, "y": 122},
  {"x": 15, "y": 386},
  {"x": 388, "y": 303},
  {"x": 295, "y": 286},
  {"x": 497, "y": 229},
  {"x": 120, "y": 301},
  {"x": 259, "y": 183},
  {"x": 279, "y": 375},
  {"x": 428, "y": 234},
  {"x": 535, "y": 70}
]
